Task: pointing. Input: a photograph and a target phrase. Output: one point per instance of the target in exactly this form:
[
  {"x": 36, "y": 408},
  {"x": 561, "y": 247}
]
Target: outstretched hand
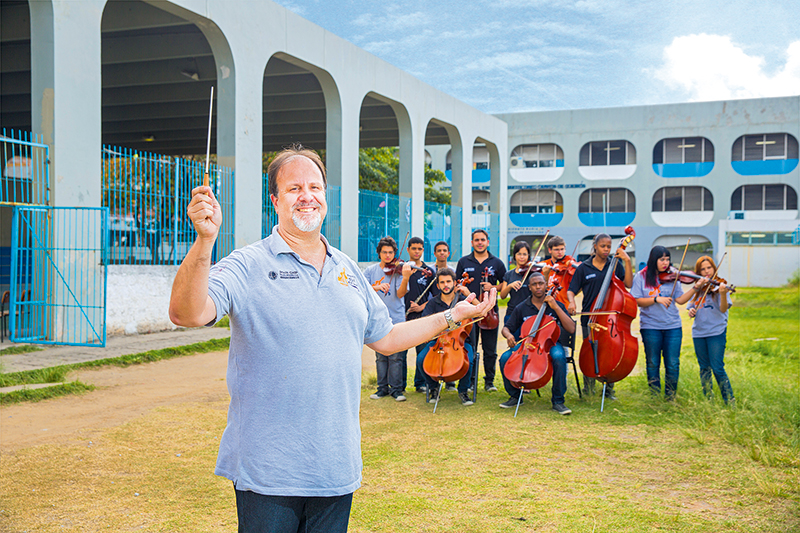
[{"x": 467, "y": 310}]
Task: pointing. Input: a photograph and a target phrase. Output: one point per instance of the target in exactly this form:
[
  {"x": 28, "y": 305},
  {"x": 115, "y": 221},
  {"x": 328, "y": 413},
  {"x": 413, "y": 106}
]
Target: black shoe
[
  {"x": 433, "y": 395},
  {"x": 561, "y": 409},
  {"x": 510, "y": 403},
  {"x": 450, "y": 387},
  {"x": 489, "y": 387},
  {"x": 464, "y": 397},
  {"x": 378, "y": 395},
  {"x": 610, "y": 395},
  {"x": 422, "y": 389}
]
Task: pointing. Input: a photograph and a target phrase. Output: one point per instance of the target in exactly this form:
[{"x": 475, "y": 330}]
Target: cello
[
  {"x": 529, "y": 367},
  {"x": 610, "y": 352},
  {"x": 447, "y": 360}
]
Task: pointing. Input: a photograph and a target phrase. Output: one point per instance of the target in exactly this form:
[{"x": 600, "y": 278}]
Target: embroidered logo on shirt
[
  {"x": 469, "y": 269},
  {"x": 590, "y": 276},
  {"x": 272, "y": 275},
  {"x": 289, "y": 274},
  {"x": 346, "y": 280}
]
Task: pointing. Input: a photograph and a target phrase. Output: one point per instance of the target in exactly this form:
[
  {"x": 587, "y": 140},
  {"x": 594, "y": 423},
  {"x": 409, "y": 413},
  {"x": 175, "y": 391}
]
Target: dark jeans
[
  {"x": 489, "y": 345},
  {"x": 559, "y": 360},
  {"x": 419, "y": 375},
  {"x": 710, "y": 357},
  {"x": 588, "y": 383},
  {"x": 463, "y": 384},
  {"x": 390, "y": 372},
  {"x": 258, "y": 513},
  {"x": 664, "y": 343}
]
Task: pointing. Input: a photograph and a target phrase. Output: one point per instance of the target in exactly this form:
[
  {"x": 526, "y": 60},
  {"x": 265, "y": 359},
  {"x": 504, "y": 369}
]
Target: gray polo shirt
[
  {"x": 709, "y": 321},
  {"x": 294, "y": 368}
]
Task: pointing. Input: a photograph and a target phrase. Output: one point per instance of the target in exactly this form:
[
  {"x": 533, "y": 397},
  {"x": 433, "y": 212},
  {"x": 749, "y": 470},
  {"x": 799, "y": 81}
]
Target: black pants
[
  {"x": 258, "y": 513},
  {"x": 489, "y": 348}
]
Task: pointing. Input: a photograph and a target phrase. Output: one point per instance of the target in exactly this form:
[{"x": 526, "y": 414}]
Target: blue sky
[{"x": 532, "y": 55}]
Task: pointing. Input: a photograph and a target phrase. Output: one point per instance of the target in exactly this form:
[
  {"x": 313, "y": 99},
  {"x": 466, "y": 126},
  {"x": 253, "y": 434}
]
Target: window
[
  {"x": 615, "y": 200},
  {"x": 764, "y": 147},
  {"x": 480, "y": 165},
  {"x": 603, "y": 153},
  {"x": 536, "y": 201},
  {"x": 683, "y": 150},
  {"x": 537, "y": 156},
  {"x": 683, "y": 199},
  {"x": 777, "y": 197},
  {"x": 769, "y": 238}
]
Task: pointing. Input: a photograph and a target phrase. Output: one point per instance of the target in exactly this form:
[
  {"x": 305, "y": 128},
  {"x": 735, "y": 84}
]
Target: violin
[
  {"x": 447, "y": 360},
  {"x": 395, "y": 266},
  {"x": 561, "y": 273},
  {"x": 536, "y": 267},
  {"x": 491, "y": 320},
  {"x": 530, "y": 367},
  {"x": 687, "y": 276},
  {"x": 609, "y": 353}
]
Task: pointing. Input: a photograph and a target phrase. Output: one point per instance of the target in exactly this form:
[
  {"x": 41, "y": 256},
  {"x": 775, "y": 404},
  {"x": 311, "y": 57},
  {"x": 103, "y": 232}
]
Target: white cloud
[{"x": 711, "y": 67}]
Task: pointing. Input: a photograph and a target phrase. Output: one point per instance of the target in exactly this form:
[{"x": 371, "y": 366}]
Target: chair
[{"x": 571, "y": 360}]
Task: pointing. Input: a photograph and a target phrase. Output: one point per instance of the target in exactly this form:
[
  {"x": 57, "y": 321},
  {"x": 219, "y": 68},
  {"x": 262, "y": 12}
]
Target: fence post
[{"x": 175, "y": 215}]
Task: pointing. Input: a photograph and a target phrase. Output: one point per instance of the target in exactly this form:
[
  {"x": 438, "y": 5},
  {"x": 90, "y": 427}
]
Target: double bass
[{"x": 610, "y": 352}]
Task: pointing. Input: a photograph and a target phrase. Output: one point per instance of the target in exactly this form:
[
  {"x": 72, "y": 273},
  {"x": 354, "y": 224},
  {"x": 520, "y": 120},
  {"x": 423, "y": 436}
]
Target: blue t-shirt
[
  {"x": 656, "y": 316},
  {"x": 709, "y": 321},
  {"x": 395, "y": 304},
  {"x": 296, "y": 341}
]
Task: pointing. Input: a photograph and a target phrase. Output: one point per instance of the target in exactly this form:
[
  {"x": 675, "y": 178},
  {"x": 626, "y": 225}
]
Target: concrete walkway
[{"x": 115, "y": 347}]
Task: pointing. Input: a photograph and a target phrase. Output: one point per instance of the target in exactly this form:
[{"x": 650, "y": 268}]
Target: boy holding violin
[
  {"x": 448, "y": 291},
  {"x": 527, "y": 310}
]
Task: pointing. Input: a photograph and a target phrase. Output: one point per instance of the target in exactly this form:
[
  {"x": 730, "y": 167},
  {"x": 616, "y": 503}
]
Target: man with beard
[
  {"x": 447, "y": 292},
  {"x": 511, "y": 331},
  {"x": 300, "y": 312}
]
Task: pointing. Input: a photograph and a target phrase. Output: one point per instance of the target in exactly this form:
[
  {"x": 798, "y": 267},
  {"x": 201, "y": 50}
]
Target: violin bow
[
  {"x": 575, "y": 250},
  {"x": 532, "y": 259},
  {"x": 435, "y": 277},
  {"x": 713, "y": 275},
  {"x": 678, "y": 277},
  {"x": 206, "y": 180},
  {"x": 399, "y": 253}
]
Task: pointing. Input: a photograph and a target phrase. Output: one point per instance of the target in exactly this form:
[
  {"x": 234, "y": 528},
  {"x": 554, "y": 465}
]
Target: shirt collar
[{"x": 277, "y": 245}]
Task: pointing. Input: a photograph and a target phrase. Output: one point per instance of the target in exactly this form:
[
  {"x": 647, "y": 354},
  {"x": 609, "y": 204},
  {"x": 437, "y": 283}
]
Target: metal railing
[
  {"x": 24, "y": 169},
  {"x": 147, "y": 195},
  {"x": 331, "y": 226},
  {"x": 440, "y": 222}
]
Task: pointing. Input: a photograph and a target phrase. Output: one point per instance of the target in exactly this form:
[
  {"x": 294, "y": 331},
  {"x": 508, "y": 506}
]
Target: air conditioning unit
[
  {"x": 482, "y": 207},
  {"x": 736, "y": 215},
  {"x": 516, "y": 161}
]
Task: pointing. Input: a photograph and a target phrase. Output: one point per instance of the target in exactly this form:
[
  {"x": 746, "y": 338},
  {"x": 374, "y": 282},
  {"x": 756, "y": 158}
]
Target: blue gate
[{"x": 58, "y": 275}]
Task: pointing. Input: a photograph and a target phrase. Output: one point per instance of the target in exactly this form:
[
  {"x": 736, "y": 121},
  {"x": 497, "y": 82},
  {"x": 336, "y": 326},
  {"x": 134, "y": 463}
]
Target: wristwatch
[
  {"x": 451, "y": 324},
  {"x": 655, "y": 299}
]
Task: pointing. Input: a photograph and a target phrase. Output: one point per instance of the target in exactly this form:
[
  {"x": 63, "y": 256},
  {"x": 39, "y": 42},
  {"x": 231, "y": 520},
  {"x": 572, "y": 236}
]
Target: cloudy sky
[{"x": 530, "y": 55}]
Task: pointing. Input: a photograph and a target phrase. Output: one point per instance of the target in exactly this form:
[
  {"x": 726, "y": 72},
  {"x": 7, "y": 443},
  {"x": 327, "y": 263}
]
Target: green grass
[
  {"x": 36, "y": 395},
  {"x": 22, "y": 348},
  {"x": 58, "y": 373}
]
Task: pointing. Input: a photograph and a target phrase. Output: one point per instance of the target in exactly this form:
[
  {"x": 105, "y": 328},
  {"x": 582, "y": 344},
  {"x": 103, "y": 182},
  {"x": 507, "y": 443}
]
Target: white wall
[{"x": 138, "y": 299}]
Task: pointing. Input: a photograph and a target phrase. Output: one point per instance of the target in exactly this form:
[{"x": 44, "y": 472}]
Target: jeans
[
  {"x": 258, "y": 513},
  {"x": 559, "y": 359},
  {"x": 666, "y": 343},
  {"x": 419, "y": 374},
  {"x": 710, "y": 357},
  {"x": 463, "y": 384},
  {"x": 489, "y": 344},
  {"x": 390, "y": 372},
  {"x": 588, "y": 383}
]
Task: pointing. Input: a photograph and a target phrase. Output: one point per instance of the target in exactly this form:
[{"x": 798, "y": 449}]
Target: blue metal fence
[
  {"x": 24, "y": 169},
  {"x": 331, "y": 226},
  {"x": 58, "y": 275},
  {"x": 378, "y": 216},
  {"x": 147, "y": 195},
  {"x": 440, "y": 219}
]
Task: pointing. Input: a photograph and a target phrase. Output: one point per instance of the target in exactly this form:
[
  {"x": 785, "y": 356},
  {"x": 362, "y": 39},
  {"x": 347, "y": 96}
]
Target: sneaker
[
  {"x": 469, "y": 390},
  {"x": 378, "y": 395},
  {"x": 561, "y": 409},
  {"x": 432, "y": 396},
  {"x": 490, "y": 387},
  {"x": 399, "y": 398},
  {"x": 450, "y": 386},
  {"x": 510, "y": 403},
  {"x": 422, "y": 389},
  {"x": 610, "y": 395},
  {"x": 464, "y": 397}
]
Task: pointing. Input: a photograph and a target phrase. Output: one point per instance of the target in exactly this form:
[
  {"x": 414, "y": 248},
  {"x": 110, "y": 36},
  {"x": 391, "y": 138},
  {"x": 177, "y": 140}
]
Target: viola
[
  {"x": 530, "y": 366},
  {"x": 687, "y": 276},
  {"x": 609, "y": 353},
  {"x": 395, "y": 266},
  {"x": 447, "y": 359},
  {"x": 491, "y": 320},
  {"x": 561, "y": 273}
]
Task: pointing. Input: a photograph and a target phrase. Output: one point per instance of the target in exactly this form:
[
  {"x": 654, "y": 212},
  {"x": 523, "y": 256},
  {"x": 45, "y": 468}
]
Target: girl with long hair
[
  {"x": 512, "y": 281},
  {"x": 660, "y": 322},
  {"x": 710, "y": 330}
]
